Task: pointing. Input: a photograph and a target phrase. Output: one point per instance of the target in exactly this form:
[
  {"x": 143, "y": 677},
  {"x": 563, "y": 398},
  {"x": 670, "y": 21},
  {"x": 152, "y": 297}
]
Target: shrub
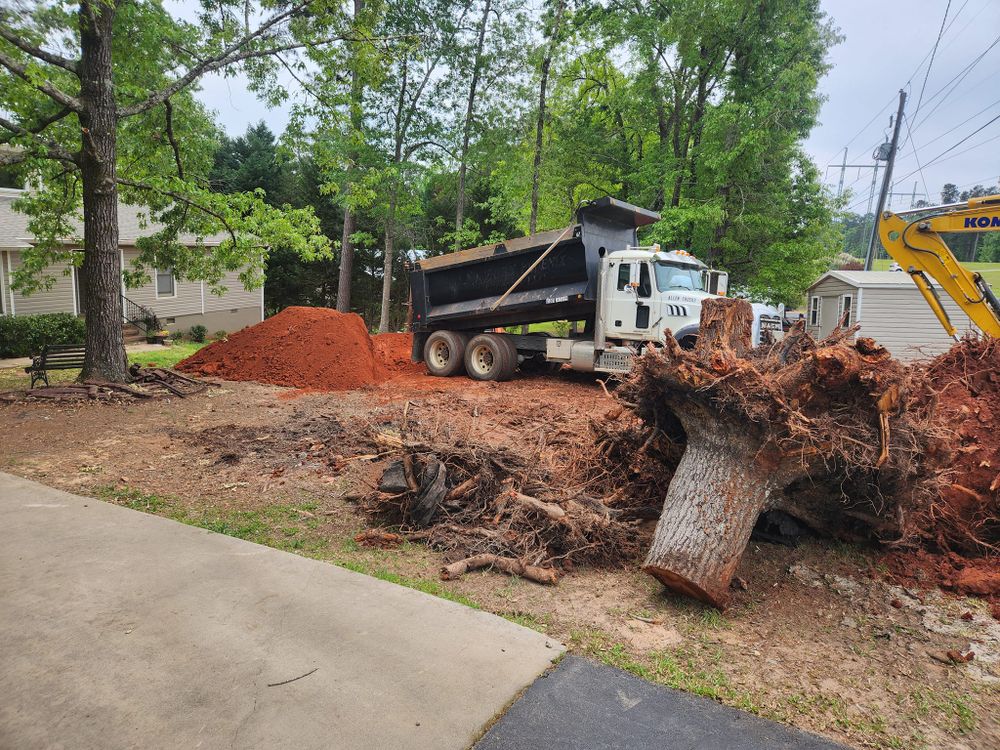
[
  {"x": 198, "y": 333},
  {"x": 219, "y": 335},
  {"x": 25, "y": 335}
]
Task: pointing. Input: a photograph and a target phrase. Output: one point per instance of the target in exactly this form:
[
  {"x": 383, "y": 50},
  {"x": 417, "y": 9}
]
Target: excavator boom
[{"x": 918, "y": 247}]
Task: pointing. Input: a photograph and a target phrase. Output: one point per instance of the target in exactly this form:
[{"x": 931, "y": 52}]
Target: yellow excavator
[{"x": 918, "y": 247}]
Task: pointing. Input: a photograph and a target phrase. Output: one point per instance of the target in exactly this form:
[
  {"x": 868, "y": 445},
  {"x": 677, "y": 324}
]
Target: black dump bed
[{"x": 456, "y": 291}]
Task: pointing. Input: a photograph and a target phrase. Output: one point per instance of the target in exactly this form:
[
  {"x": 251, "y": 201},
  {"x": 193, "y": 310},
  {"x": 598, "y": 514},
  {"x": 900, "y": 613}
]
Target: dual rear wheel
[{"x": 486, "y": 356}]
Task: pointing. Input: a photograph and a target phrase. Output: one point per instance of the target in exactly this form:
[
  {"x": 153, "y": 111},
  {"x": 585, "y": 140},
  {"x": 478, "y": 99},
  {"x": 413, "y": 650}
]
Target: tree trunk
[
  {"x": 102, "y": 272},
  {"x": 346, "y": 263},
  {"x": 718, "y": 491},
  {"x": 346, "y": 243},
  {"x": 390, "y": 228},
  {"x": 540, "y": 123},
  {"x": 467, "y": 129}
]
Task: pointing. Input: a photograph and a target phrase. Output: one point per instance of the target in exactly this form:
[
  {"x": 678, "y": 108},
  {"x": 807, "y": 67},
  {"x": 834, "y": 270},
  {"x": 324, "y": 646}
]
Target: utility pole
[
  {"x": 843, "y": 168},
  {"x": 886, "y": 178}
]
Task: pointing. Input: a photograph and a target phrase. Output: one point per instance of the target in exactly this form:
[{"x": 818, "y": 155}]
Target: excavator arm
[{"x": 918, "y": 247}]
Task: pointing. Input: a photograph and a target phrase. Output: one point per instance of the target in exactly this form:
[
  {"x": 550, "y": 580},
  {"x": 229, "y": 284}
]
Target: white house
[
  {"x": 178, "y": 304},
  {"x": 889, "y": 308}
]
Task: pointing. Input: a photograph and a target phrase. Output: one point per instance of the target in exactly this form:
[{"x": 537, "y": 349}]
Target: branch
[
  {"x": 41, "y": 125},
  {"x": 181, "y": 199},
  {"x": 230, "y": 55},
  {"x": 56, "y": 94},
  {"x": 53, "y": 150},
  {"x": 172, "y": 139},
  {"x": 37, "y": 52}
]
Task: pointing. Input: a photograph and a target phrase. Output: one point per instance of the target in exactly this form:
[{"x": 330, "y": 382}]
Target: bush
[
  {"x": 219, "y": 335},
  {"x": 25, "y": 336},
  {"x": 198, "y": 333}
]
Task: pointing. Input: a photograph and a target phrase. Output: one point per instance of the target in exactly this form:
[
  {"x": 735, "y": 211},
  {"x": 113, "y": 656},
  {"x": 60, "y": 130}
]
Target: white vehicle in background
[{"x": 594, "y": 271}]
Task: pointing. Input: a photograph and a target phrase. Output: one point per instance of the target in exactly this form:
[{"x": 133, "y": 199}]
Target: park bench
[{"x": 55, "y": 357}]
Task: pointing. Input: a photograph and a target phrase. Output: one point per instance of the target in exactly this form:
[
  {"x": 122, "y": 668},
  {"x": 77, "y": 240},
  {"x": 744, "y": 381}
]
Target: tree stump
[{"x": 755, "y": 421}]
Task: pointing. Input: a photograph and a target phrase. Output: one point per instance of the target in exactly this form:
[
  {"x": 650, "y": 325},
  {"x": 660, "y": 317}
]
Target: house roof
[
  {"x": 133, "y": 223},
  {"x": 869, "y": 279}
]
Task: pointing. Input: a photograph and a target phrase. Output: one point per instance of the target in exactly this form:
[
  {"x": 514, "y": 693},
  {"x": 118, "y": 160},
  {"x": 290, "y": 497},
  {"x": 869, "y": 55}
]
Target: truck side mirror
[{"x": 717, "y": 282}]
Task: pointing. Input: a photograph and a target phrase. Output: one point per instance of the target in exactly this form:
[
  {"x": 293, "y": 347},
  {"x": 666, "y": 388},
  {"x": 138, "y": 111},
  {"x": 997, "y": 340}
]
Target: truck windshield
[{"x": 676, "y": 276}]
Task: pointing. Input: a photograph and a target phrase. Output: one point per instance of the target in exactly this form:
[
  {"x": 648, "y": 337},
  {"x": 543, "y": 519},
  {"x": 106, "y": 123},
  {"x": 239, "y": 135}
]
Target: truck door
[{"x": 629, "y": 288}]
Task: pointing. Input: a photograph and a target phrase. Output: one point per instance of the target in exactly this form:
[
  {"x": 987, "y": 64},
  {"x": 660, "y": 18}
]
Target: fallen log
[
  {"x": 551, "y": 510},
  {"x": 505, "y": 564}
]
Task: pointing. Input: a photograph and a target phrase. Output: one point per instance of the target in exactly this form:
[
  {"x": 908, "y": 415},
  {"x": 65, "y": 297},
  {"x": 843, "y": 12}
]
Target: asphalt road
[{"x": 581, "y": 705}]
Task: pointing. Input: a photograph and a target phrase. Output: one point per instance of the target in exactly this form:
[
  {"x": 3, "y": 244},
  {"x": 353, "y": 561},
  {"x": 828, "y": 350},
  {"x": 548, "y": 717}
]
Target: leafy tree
[{"x": 97, "y": 105}]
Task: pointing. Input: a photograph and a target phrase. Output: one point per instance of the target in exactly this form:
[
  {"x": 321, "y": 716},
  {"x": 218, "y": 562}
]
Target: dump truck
[{"x": 594, "y": 271}]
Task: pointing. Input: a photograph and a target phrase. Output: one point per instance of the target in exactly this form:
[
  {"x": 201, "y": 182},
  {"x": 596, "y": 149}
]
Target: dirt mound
[
  {"x": 393, "y": 350},
  {"x": 962, "y": 399},
  {"x": 312, "y": 348}
]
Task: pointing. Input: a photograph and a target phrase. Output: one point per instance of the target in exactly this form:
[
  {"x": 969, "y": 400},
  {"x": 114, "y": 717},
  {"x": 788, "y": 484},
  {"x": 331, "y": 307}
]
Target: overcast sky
[{"x": 887, "y": 46}]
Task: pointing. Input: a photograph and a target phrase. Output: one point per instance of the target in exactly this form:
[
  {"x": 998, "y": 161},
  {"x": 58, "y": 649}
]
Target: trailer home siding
[{"x": 889, "y": 308}]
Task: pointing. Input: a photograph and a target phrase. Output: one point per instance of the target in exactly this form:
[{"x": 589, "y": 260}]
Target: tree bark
[
  {"x": 346, "y": 263},
  {"x": 719, "y": 489},
  {"x": 467, "y": 129},
  {"x": 536, "y": 168},
  {"x": 102, "y": 273},
  {"x": 346, "y": 243}
]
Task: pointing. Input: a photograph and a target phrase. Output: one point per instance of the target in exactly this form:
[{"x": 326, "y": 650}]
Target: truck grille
[{"x": 677, "y": 311}]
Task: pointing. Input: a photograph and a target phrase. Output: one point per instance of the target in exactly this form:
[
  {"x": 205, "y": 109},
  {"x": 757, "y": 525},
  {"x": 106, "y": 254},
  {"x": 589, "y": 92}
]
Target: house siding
[
  {"x": 186, "y": 299},
  {"x": 235, "y": 298},
  {"x": 830, "y": 291},
  {"x": 57, "y": 298},
  {"x": 903, "y": 322}
]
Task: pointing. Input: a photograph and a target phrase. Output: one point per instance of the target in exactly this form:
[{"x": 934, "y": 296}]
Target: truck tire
[
  {"x": 444, "y": 353},
  {"x": 512, "y": 359},
  {"x": 487, "y": 357}
]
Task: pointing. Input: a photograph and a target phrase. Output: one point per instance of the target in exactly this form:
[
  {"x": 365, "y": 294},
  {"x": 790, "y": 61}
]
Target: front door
[{"x": 627, "y": 298}]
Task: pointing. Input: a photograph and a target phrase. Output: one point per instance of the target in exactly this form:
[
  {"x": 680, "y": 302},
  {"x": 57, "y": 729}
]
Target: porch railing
[{"x": 139, "y": 316}]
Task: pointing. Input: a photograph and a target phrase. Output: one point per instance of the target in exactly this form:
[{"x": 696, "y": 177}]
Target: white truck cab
[{"x": 646, "y": 291}]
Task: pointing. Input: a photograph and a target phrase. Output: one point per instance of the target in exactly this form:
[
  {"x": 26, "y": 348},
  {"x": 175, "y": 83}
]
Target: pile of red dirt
[
  {"x": 312, "y": 348},
  {"x": 393, "y": 350},
  {"x": 962, "y": 399}
]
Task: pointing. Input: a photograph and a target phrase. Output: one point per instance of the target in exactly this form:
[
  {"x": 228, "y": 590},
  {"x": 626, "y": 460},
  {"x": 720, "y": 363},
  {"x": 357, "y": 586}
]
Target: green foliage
[
  {"x": 26, "y": 335},
  {"x": 198, "y": 333}
]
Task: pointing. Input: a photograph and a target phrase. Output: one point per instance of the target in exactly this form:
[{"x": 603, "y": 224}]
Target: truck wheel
[
  {"x": 443, "y": 353},
  {"x": 511, "y": 357},
  {"x": 487, "y": 358}
]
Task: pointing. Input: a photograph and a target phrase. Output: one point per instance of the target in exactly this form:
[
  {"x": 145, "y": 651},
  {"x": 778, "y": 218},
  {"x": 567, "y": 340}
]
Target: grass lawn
[
  {"x": 14, "y": 378},
  {"x": 990, "y": 271}
]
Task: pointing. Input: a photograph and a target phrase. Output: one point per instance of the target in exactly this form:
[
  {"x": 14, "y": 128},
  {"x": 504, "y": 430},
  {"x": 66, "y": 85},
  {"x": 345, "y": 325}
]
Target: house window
[
  {"x": 815, "y": 304},
  {"x": 846, "y": 301},
  {"x": 165, "y": 286},
  {"x": 624, "y": 275}
]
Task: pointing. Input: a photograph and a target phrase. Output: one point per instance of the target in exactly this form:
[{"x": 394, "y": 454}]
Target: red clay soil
[
  {"x": 393, "y": 350},
  {"x": 963, "y": 396},
  {"x": 961, "y": 527},
  {"x": 311, "y": 348}
]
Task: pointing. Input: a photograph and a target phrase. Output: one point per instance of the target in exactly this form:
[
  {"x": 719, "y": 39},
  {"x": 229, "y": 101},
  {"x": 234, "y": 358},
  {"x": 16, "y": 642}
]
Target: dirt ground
[{"x": 817, "y": 637}]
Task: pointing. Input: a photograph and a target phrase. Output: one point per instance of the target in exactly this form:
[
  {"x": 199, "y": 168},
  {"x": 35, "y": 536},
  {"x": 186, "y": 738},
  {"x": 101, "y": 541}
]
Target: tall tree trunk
[
  {"x": 540, "y": 123},
  {"x": 467, "y": 130},
  {"x": 346, "y": 243},
  {"x": 346, "y": 263},
  {"x": 390, "y": 230},
  {"x": 102, "y": 272}
]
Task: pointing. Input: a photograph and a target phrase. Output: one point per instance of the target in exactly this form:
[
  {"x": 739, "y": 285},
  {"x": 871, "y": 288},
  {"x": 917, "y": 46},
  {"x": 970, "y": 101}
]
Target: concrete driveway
[{"x": 120, "y": 629}]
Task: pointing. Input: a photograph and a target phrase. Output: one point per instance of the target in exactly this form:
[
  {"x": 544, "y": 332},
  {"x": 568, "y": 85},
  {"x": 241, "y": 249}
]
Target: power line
[
  {"x": 938, "y": 159},
  {"x": 913, "y": 146},
  {"x": 957, "y": 80},
  {"x": 923, "y": 87}
]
